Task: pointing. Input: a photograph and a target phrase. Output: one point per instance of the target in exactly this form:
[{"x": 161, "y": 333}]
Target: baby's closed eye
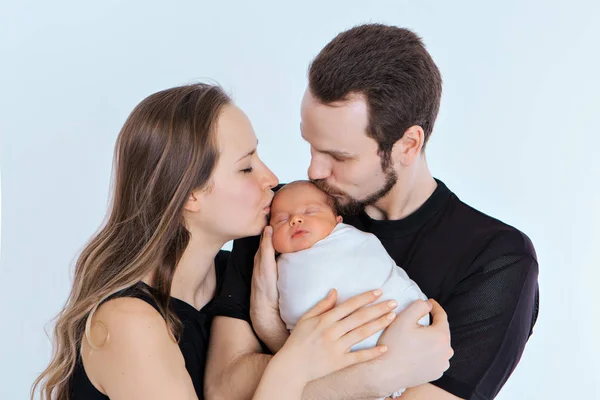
[{"x": 281, "y": 218}]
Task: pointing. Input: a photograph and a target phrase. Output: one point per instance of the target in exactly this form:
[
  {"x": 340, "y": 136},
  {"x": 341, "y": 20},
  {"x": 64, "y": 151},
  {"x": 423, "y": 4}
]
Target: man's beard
[{"x": 347, "y": 205}]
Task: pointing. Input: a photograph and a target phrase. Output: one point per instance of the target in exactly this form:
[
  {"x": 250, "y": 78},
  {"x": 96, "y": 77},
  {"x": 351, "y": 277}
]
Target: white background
[{"x": 517, "y": 137}]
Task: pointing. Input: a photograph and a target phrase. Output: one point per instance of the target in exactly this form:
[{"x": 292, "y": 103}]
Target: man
[{"x": 373, "y": 97}]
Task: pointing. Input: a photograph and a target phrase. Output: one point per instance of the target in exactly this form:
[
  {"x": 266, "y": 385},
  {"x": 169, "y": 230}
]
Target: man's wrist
[
  {"x": 274, "y": 338},
  {"x": 270, "y": 329},
  {"x": 356, "y": 382}
]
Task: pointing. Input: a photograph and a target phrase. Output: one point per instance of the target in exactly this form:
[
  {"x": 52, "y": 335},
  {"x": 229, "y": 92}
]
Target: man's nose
[{"x": 318, "y": 168}]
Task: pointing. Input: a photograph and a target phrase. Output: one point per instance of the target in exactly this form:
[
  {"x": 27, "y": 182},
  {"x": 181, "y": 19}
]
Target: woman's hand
[
  {"x": 264, "y": 297},
  {"x": 320, "y": 343}
]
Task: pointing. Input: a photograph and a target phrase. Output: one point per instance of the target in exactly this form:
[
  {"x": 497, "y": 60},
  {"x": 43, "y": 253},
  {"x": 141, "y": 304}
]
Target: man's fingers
[
  {"x": 438, "y": 314},
  {"x": 266, "y": 242},
  {"x": 414, "y": 312},
  {"x": 265, "y": 255},
  {"x": 441, "y": 326}
]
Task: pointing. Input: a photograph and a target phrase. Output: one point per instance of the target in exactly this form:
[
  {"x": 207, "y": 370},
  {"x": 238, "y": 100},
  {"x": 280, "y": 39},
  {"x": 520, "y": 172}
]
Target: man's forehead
[
  {"x": 338, "y": 143},
  {"x": 335, "y": 127}
]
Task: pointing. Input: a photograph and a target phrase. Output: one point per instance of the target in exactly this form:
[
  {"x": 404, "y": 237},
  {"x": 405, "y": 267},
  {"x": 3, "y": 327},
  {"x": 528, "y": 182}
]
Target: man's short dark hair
[{"x": 391, "y": 68}]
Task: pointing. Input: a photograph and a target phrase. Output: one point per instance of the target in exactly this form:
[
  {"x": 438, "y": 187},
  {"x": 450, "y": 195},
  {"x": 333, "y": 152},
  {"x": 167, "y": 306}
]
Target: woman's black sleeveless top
[{"x": 193, "y": 341}]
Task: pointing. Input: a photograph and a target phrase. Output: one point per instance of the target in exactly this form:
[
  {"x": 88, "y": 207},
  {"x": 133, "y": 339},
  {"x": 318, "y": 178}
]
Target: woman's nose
[{"x": 270, "y": 180}]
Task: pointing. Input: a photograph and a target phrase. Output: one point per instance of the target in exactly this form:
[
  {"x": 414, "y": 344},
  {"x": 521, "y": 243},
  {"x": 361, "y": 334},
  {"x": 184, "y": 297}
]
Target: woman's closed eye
[{"x": 247, "y": 170}]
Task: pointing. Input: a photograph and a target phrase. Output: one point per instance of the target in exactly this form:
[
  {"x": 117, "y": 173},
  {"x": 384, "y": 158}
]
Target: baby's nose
[{"x": 296, "y": 219}]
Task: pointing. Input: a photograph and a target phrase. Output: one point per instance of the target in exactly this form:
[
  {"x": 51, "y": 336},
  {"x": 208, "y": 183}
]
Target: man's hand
[
  {"x": 417, "y": 354},
  {"x": 264, "y": 298}
]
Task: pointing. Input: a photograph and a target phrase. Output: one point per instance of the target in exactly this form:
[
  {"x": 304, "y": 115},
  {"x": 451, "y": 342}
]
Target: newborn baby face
[{"x": 300, "y": 216}]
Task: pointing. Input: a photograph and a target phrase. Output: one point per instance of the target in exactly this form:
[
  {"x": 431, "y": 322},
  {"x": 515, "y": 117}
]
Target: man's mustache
[{"x": 321, "y": 184}]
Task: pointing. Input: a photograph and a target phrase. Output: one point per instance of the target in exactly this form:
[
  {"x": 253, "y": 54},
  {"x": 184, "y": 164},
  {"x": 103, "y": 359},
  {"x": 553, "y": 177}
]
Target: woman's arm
[
  {"x": 235, "y": 361},
  {"x": 137, "y": 356},
  {"x": 320, "y": 344}
]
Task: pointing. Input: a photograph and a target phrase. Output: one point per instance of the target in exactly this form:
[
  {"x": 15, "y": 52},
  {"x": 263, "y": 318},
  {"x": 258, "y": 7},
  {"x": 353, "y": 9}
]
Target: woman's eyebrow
[{"x": 250, "y": 153}]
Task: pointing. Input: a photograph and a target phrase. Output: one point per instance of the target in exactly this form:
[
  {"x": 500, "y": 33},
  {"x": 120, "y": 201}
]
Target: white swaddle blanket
[{"x": 350, "y": 261}]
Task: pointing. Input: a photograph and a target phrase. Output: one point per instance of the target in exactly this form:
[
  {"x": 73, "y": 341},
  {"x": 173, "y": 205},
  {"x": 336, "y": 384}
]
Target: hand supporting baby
[{"x": 264, "y": 299}]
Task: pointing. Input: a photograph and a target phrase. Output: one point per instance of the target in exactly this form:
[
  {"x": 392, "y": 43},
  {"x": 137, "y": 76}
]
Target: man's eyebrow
[{"x": 334, "y": 153}]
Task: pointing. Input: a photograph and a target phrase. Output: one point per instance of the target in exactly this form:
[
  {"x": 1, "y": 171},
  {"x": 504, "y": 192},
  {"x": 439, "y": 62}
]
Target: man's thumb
[
  {"x": 266, "y": 244},
  {"x": 413, "y": 313}
]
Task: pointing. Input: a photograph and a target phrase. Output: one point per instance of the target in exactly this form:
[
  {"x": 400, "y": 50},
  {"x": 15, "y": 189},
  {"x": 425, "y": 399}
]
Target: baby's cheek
[
  {"x": 325, "y": 227},
  {"x": 278, "y": 240}
]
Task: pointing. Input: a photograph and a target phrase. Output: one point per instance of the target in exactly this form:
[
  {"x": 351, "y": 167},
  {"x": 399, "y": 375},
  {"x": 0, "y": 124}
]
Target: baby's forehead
[
  {"x": 296, "y": 189},
  {"x": 300, "y": 192}
]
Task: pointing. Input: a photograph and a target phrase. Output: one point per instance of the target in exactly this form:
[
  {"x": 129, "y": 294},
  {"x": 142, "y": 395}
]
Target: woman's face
[{"x": 237, "y": 203}]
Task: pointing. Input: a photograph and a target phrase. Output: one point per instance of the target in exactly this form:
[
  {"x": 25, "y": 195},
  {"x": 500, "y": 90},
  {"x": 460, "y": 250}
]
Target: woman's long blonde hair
[{"x": 165, "y": 150}]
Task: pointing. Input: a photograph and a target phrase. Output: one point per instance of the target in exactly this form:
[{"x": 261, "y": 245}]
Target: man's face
[{"x": 344, "y": 160}]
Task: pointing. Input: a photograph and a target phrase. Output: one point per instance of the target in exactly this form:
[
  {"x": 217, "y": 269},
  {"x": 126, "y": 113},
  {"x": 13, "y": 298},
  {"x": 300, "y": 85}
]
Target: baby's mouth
[{"x": 298, "y": 233}]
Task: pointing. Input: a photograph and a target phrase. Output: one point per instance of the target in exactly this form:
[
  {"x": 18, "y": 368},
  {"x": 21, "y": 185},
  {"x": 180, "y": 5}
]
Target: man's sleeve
[
  {"x": 491, "y": 312},
  {"x": 233, "y": 298}
]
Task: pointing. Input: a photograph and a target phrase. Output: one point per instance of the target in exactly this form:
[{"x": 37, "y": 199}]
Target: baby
[{"x": 319, "y": 252}]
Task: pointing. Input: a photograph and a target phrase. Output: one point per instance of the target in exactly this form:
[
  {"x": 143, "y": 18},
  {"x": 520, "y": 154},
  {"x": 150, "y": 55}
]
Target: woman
[{"x": 188, "y": 179}]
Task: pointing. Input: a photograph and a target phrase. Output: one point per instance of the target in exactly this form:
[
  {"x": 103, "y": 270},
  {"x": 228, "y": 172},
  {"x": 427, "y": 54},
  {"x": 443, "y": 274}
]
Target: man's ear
[{"x": 407, "y": 149}]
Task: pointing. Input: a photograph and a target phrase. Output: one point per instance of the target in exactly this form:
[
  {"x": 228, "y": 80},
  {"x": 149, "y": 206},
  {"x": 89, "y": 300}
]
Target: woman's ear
[{"x": 193, "y": 202}]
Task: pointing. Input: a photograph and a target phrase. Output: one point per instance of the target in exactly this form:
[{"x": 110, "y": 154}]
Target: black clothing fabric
[
  {"x": 193, "y": 341},
  {"x": 483, "y": 272}
]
